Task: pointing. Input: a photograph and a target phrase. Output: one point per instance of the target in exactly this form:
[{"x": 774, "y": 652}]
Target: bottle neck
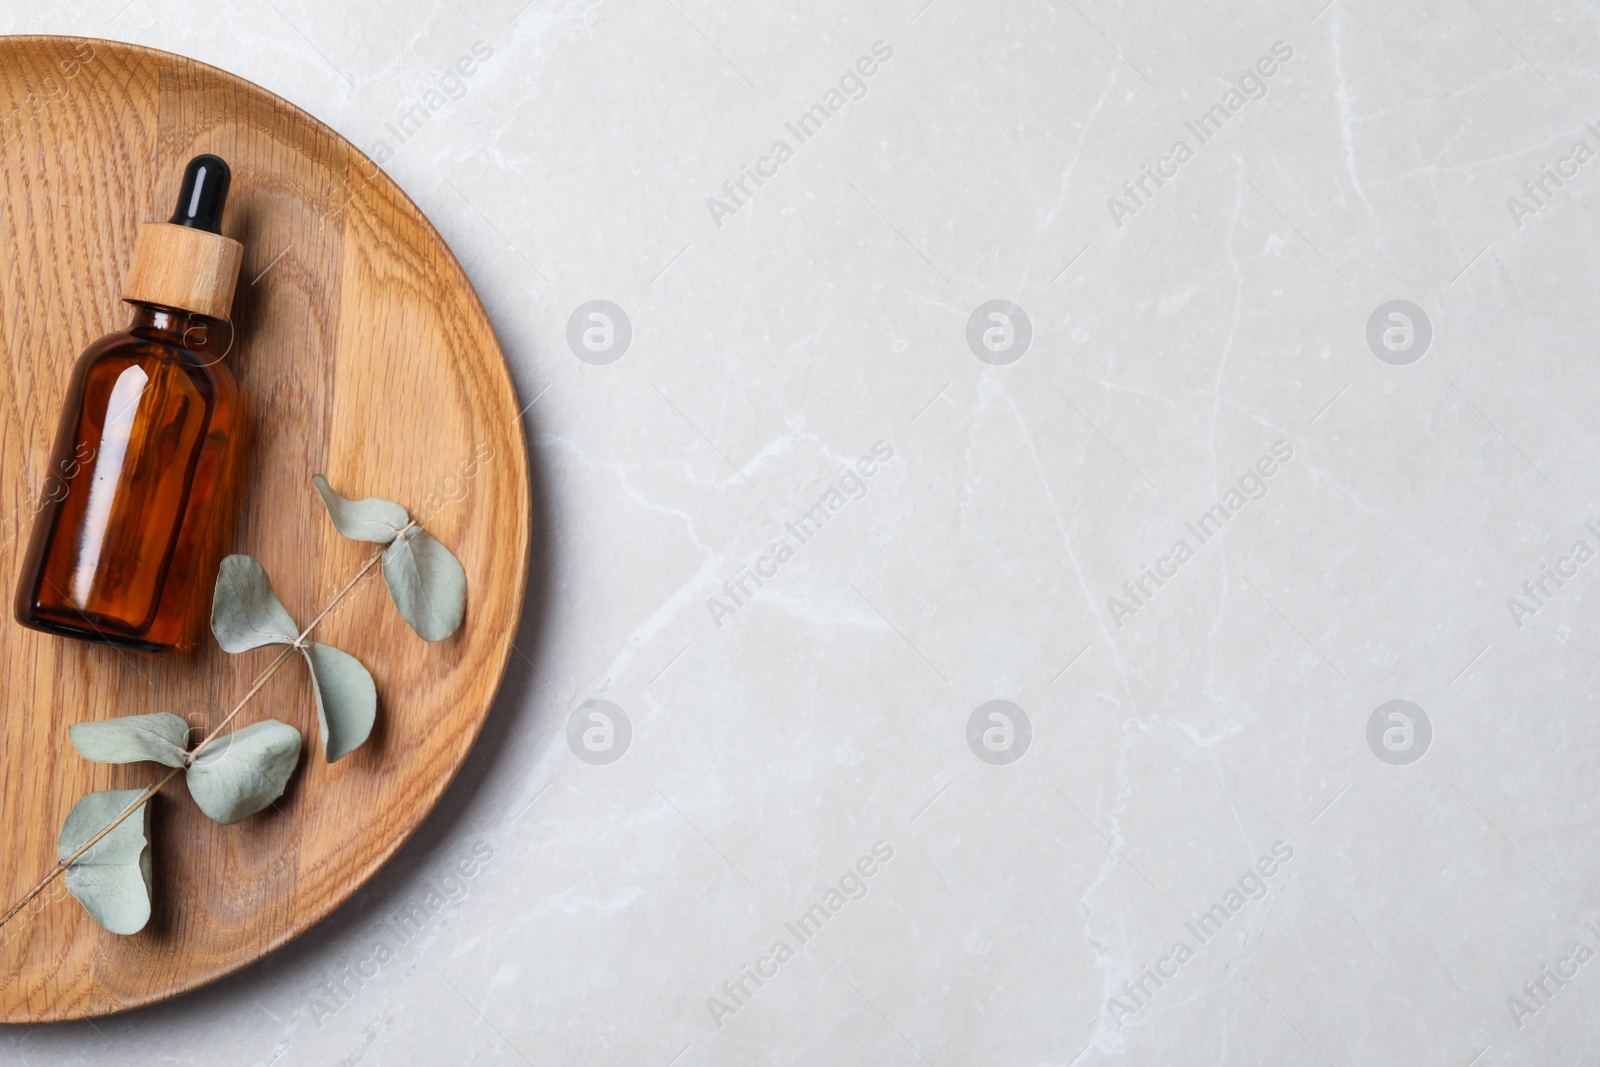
[{"x": 206, "y": 337}]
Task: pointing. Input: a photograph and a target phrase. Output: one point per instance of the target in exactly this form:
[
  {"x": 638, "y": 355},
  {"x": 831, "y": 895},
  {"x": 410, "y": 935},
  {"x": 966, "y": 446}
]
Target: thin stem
[
  {"x": 365, "y": 567},
  {"x": 261, "y": 680}
]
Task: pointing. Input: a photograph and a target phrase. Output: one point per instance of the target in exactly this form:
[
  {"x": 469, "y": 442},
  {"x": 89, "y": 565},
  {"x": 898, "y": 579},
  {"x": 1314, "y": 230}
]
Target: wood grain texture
[
  {"x": 183, "y": 268},
  {"x": 361, "y": 352}
]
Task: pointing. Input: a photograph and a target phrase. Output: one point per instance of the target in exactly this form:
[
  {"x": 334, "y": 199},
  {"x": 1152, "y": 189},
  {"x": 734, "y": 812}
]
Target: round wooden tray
[{"x": 362, "y": 353}]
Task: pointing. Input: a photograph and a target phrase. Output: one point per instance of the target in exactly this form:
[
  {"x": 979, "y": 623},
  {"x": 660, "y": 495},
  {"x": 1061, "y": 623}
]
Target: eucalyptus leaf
[
  {"x": 240, "y": 773},
  {"x": 245, "y": 612},
  {"x": 112, "y": 879},
  {"x": 347, "y": 699},
  {"x": 373, "y": 519},
  {"x": 428, "y": 584},
  {"x": 162, "y": 737}
]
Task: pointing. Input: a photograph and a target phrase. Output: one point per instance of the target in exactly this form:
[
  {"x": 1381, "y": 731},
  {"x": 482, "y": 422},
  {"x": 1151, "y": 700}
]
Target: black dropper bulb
[{"x": 205, "y": 189}]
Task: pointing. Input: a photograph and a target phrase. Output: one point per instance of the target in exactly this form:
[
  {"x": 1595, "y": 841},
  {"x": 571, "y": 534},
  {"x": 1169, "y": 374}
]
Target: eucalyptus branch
[
  {"x": 261, "y": 680},
  {"x": 105, "y": 853}
]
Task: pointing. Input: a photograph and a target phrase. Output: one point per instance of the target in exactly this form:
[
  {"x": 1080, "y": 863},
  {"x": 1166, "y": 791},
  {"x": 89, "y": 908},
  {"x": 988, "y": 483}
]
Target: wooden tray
[{"x": 363, "y": 353}]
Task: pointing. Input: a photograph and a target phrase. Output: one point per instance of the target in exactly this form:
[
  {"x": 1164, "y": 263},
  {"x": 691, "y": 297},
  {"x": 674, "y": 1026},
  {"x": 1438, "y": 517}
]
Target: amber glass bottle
[{"x": 139, "y": 487}]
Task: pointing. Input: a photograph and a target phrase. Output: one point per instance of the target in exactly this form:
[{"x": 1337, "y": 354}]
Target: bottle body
[{"x": 139, "y": 490}]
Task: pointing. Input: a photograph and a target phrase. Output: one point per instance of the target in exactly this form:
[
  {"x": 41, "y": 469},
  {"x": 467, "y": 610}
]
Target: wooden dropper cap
[{"x": 185, "y": 262}]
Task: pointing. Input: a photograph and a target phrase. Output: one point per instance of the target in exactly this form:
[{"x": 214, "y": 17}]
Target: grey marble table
[{"x": 1063, "y": 536}]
